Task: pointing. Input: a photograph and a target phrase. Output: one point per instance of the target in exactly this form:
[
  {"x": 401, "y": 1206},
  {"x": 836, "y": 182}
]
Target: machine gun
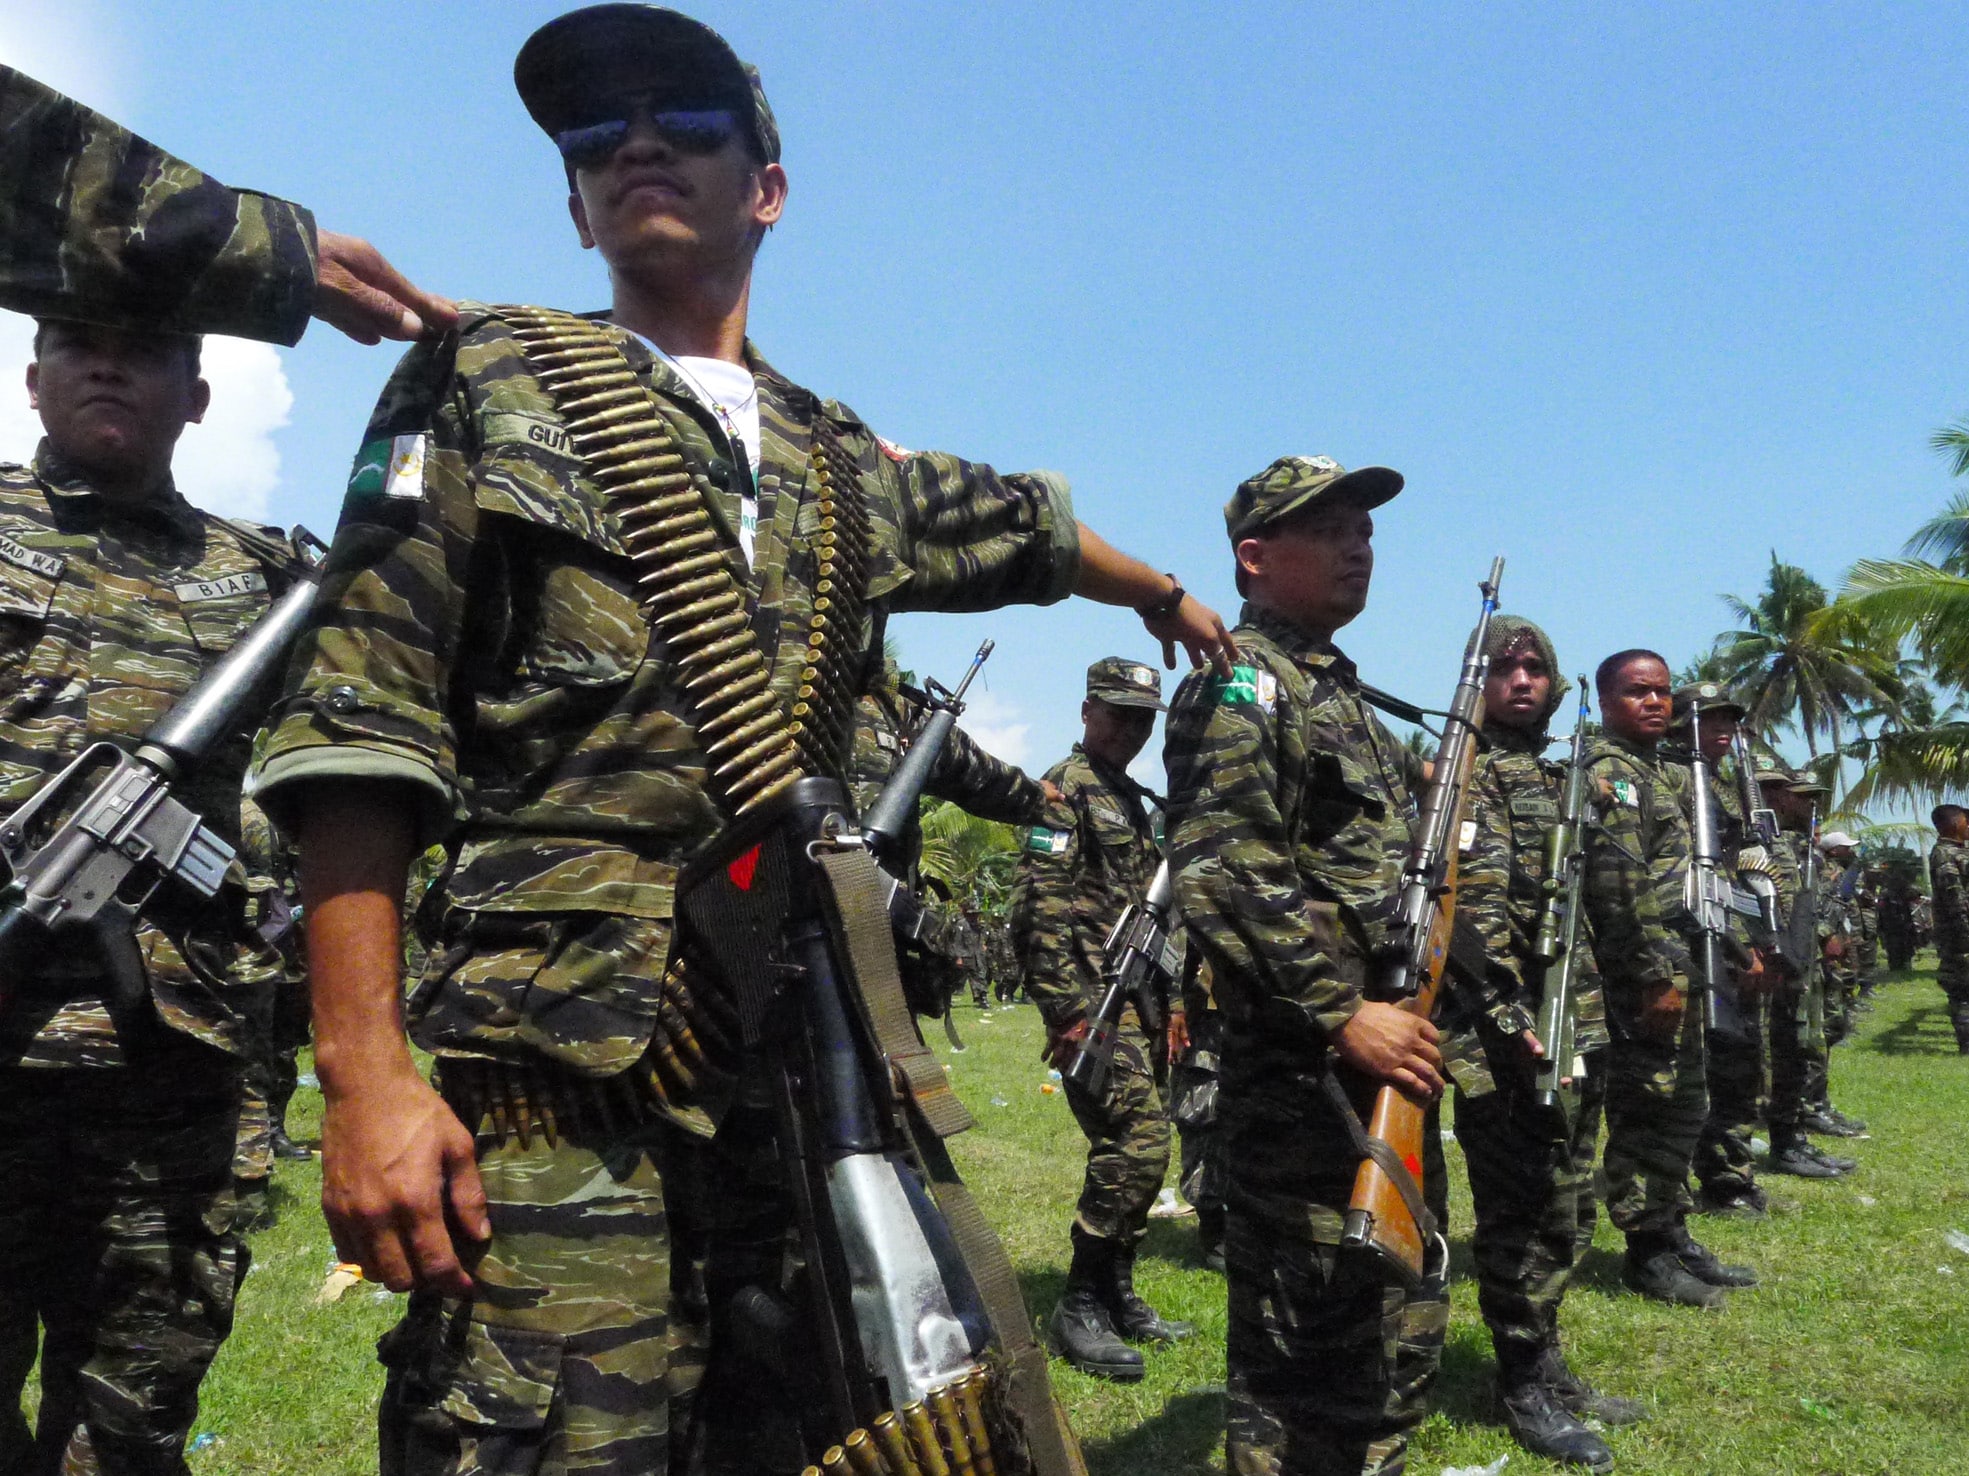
[
  {"x": 1386, "y": 1213},
  {"x": 88, "y": 851},
  {"x": 791, "y": 910},
  {"x": 1710, "y": 898},
  {"x": 1557, "y": 945},
  {"x": 1142, "y": 964}
]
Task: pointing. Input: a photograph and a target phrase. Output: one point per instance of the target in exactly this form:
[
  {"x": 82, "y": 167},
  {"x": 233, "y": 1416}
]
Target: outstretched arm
[{"x": 1115, "y": 578}]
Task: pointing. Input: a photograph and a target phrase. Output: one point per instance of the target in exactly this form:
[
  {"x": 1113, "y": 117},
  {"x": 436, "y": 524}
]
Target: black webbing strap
[{"x": 1369, "y": 1146}]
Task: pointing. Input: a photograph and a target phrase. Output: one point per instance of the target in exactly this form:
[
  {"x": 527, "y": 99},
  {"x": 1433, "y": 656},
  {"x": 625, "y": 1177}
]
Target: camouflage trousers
[
  {"x": 116, "y": 1238},
  {"x": 1657, "y": 1102},
  {"x": 1127, "y": 1134},
  {"x": 1328, "y": 1360},
  {"x": 1952, "y": 973},
  {"x": 567, "y": 1358},
  {"x": 1841, "y": 995},
  {"x": 1532, "y": 1188},
  {"x": 1724, "y": 1163}
]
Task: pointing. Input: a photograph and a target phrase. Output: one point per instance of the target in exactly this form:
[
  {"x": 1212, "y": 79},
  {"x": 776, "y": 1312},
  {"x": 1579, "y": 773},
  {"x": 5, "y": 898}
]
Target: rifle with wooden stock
[
  {"x": 1387, "y": 1214},
  {"x": 1557, "y": 945}
]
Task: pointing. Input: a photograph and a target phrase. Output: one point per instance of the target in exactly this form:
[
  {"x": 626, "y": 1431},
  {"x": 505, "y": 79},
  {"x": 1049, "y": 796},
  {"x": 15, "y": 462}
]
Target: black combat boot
[
  {"x": 1080, "y": 1330},
  {"x": 1541, "y": 1424},
  {"x": 1829, "y": 1122},
  {"x": 1744, "y": 1203},
  {"x": 284, "y": 1146},
  {"x": 1580, "y": 1397},
  {"x": 1134, "y": 1318},
  {"x": 1701, "y": 1262},
  {"x": 1654, "y": 1270},
  {"x": 1210, "y": 1236}
]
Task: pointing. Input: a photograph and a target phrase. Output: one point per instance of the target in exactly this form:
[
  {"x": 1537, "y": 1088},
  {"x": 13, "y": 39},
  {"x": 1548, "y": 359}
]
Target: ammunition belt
[
  {"x": 754, "y": 747},
  {"x": 944, "y": 1434}
]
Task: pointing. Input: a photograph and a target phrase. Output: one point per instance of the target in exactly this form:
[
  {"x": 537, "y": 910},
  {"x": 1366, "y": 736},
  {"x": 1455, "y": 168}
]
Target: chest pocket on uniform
[
  {"x": 1338, "y": 792},
  {"x": 572, "y": 618},
  {"x": 220, "y": 606},
  {"x": 26, "y": 595}
]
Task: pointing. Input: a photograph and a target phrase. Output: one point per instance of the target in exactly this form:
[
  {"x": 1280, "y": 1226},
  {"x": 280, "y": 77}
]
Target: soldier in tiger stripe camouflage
[
  {"x": 483, "y": 673},
  {"x": 1090, "y": 857},
  {"x": 1289, "y": 812},
  {"x": 1531, "y": 1170},
  {"x": 117, "y": 1125}
]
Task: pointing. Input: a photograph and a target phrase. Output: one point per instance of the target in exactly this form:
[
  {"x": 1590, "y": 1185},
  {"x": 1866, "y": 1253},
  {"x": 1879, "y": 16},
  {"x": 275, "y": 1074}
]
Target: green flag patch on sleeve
[
  {"x": 1047, "y": 841},
  {"x": 390, "y": 466}
]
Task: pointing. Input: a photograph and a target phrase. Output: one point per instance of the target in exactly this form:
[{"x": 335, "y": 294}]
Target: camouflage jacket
[
  {"x": 1080, "y": 867},
  {"x": 479, "y": 640},
  {"x": 1948, "y": 875},
  {"x": 1637, "y": 859},
  {"x": 108, "y": 615},
  {"x": 1290, "y": 807},
  {"x": 1516, "y": 795},
  {"x": 964, "y": 774},
  {"x": 1835, "y": 902},
  {"x": 100, "y": 224}
]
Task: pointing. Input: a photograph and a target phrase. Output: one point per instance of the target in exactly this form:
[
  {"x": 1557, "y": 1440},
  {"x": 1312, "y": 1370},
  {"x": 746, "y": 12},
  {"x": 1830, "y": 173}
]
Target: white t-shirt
[{"x": 731, "y": 394}]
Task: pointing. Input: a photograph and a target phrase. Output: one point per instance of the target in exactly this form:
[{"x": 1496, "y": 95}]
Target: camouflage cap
[
  {"x": 1125, "y": 683},
  {"x": 575, "y": 69},
  {"x": 1704, "y": 698},
  {"x": 1292, "y": 482}
]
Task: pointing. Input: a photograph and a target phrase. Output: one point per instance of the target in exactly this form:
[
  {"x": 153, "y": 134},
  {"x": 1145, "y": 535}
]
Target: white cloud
[
  {"x": 227, "y": 465},
  {"x": 995, "y": 723}
]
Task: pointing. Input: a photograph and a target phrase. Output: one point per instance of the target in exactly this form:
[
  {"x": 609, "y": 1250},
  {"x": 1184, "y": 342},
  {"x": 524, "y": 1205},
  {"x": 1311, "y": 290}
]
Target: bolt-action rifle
[
  {"x": 1387, "y": 1213},
  {"x": 1710, "y": 898},
  {"x": 87, "y": 852},
  {"x": 1557, "y": 944},
  {"x": 791, "y": 910},
  {"x": 1142, "y": 966},
  {"x": 1800, "y": 944}
]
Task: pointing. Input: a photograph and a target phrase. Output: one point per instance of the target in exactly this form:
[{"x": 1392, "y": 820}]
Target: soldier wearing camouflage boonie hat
[
  {"x": 1295, "y": 482},
  {"x": 1125, "y": 683}
]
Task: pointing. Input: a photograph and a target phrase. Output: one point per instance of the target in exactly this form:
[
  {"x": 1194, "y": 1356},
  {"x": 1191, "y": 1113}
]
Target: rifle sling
[{"x": 1369, "y": 1146}]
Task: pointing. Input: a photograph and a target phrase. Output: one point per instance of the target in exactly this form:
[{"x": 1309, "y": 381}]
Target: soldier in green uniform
[
  {"x": 117, "y": 1124},
  {"x": 1838, "y": 914},
  {"x": 1797, "y": 1011},
  {"x": 1657, "y": 1096},
  {"x": 1091, "y": 857},
  {"x": 1948, "y": 879},
  {"x": 484, "y": 671},
  {"x": 100, "y": 225},
  {"x": 1866, "y": 917},
  {"x": 1529, "y": 1169},
  {"x": 1289, "y": 813}
]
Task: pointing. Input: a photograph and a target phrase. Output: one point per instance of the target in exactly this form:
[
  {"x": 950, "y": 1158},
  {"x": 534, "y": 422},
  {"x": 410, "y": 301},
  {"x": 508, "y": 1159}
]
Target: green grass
[{"x": 1852, "y": 1358}]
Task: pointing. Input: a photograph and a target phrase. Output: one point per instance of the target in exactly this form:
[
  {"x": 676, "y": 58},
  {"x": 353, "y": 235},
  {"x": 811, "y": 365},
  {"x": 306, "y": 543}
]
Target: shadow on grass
[
  {"x": 1464, "y": 1384},
  {"x": 1925, "y": 1032},
  {"x": 1174, "y": 1241},
  {"x": 1599, "y": 1268},
  {"x": 1182, "y": 1438}
]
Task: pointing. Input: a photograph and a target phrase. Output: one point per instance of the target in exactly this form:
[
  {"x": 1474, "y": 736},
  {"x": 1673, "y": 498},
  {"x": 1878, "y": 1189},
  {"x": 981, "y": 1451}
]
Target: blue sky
[{"x": 1632, "y": 295}]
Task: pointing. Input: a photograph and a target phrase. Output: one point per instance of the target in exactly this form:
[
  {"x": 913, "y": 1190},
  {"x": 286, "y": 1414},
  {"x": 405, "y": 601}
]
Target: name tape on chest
[
  {"x": 46, "y": 564},
  {"x": 1047, "y": 841},
  {"x": 1111, "y": 815},
  {"x": 549, "y": 435},
  {"x": 1534, "y": 807},
  {"x": 224, "y": 587},
  {"x": 391, "y": 466}
]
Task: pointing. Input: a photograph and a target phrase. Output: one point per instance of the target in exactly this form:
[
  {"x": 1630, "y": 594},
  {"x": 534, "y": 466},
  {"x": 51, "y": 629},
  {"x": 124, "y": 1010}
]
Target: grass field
[{"x": 1853, "y": 1357}]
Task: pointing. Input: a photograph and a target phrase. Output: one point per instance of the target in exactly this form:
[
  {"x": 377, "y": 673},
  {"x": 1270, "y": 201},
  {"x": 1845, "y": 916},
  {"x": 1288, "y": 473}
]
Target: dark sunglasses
[{"x": 702, "y": 131}]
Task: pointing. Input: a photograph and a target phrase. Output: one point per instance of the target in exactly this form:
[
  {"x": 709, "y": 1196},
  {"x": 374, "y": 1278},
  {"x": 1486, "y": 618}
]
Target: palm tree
[
  {"x": 973, "y": 858},
  {"x": 1796, "y": 663}
]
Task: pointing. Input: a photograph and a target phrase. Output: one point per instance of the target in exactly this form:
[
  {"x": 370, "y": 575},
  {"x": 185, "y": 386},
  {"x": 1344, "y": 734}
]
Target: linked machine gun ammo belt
[{"x": 913, "y": 1349}]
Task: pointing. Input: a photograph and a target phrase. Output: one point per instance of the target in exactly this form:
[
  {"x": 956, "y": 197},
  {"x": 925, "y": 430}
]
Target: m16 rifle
[
  {"x": 791, "y": 910},
  {"x": 1799, "y": 942},
  {"x": 1557, "y": 944},
  {"x": 1761, "y": 828},
  {"x": 92, "y": 846},
  {"x": 1142, "y": 966},
  {"x": 1710, "y": 897},
  {"x": 1387, "y": 1213}
]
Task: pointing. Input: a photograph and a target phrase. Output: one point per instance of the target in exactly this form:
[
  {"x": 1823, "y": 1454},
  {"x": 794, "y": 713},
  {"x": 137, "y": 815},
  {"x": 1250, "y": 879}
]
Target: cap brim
[
  {"x": 1367, "y": 487},
  {"x": 572, "y": 68},
  {"x": 1130, "y": 699}
]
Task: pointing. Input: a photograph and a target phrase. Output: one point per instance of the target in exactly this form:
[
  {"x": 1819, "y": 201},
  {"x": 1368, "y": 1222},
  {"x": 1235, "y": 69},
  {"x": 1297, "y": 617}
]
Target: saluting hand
[{"x": 359, "y": 292}]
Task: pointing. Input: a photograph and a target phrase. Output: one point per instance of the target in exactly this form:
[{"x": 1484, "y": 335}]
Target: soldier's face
[
  {"x": 1718, "y": 731},
  {"x": 1115, "y": 733},
  {"x": 1517, "y": 689},
  {"x": 115, "y": 403},
  {"x": 1637, "y": 703},
  {"x": 652, "y": 208},
  {"x": 1315, "y": 568}
]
